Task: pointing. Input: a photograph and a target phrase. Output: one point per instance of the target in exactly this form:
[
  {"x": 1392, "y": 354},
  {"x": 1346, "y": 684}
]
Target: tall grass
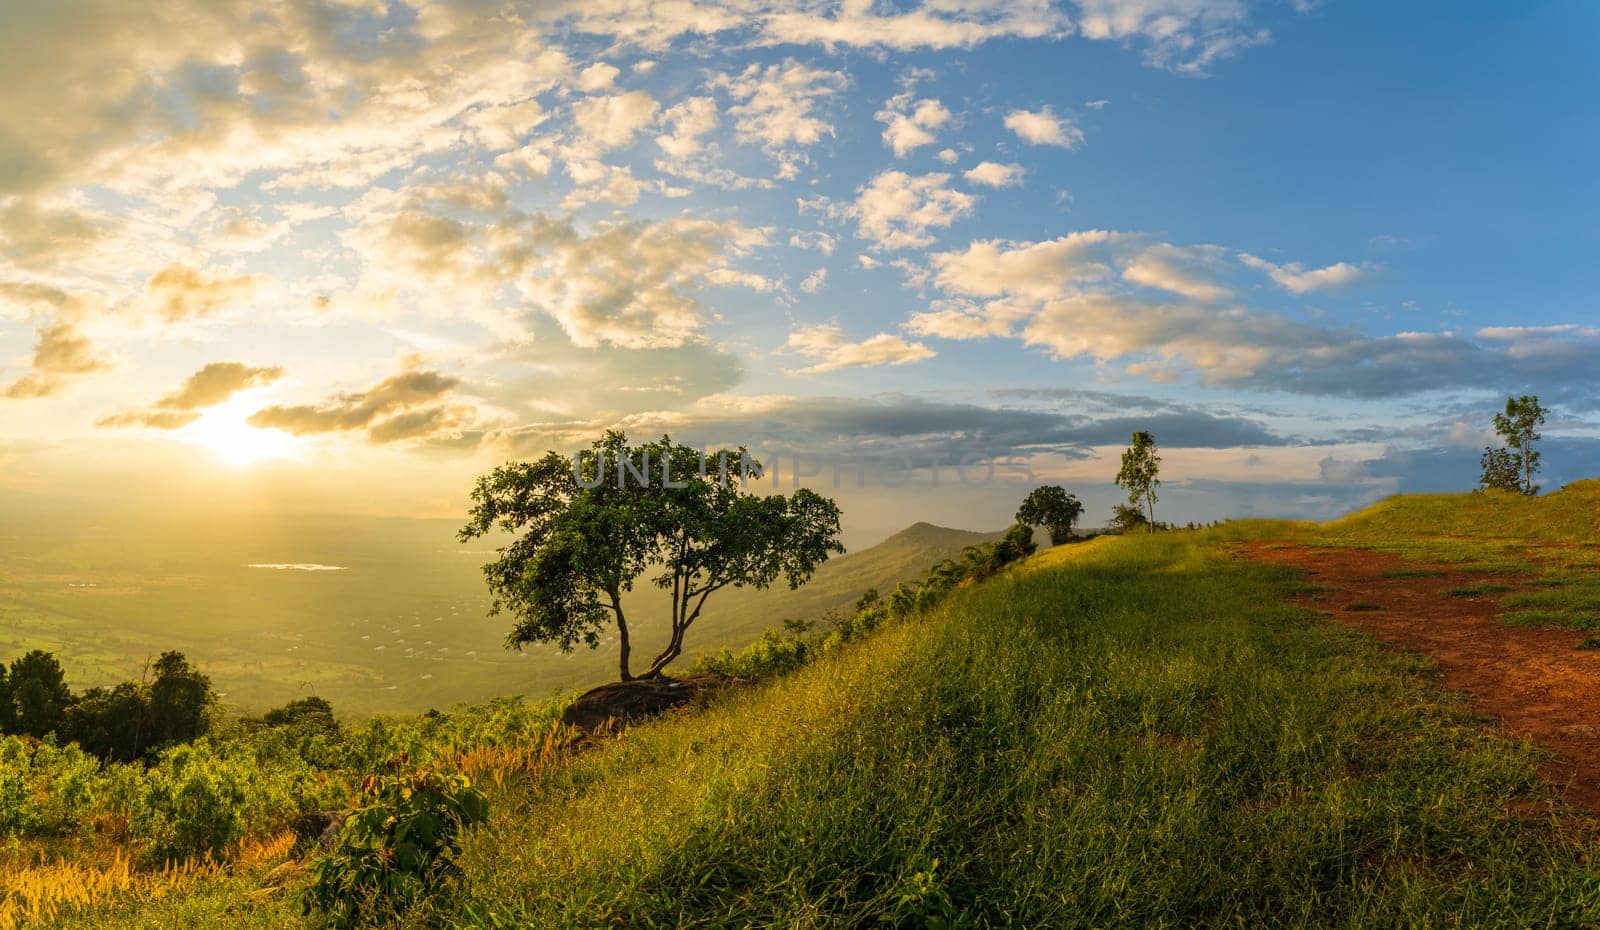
[{"x": 1135, "y": 733}]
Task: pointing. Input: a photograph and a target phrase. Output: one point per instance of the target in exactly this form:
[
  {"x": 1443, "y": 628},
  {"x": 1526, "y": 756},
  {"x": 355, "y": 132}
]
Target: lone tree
[
  {"x": 1511, "y": 467},
  {"x": 1051, "y": 507},
  {"x": 588, "y": 527},
  {"x": 1141, "y": 467}
]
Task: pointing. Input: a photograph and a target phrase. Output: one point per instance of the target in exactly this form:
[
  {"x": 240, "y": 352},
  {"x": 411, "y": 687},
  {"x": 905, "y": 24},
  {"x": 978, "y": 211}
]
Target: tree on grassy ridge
[
  {"x": 1052, "y": 507},
  {"x": 1140, "y": 474},
  {"x": 1513, "y": 466},
  {"x": 588, "y": 527}
]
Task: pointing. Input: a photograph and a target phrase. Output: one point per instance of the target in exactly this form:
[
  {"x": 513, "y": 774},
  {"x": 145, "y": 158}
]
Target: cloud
[
  {"x": 815, "y": 281},
  {"x": 402, "y": 406},
  {"x": 1044, "y": 127},
  {"x": 60, "y": 355},
  {"x": 1062, "y": 296},
  {"x": 1186, "y": 36},
  {"x": 896, "y": 210},
  {"x": 992, "y": 267},
  {"x": 611, "y": 122},
  {"x": 180, "y": 292},
  {"x": 1189, "y": 271},
  {"x": 922, "y": 429},
  {"x": 597, "y": 77},
  {"x": 909, "y": 126},
  {"x": 691, "y": 120},
  {"x": 1295, "y": 279},
  {"x": 947, "y": 24},
  {"x": 208, "y": 387},
  {"x": 777, "y": 107},
  {"x": 994, "y": 174},
  {"x": 33, "y": 235},
  {"x": 628, "y": 284},
  {"x": 827, "y": 346}
]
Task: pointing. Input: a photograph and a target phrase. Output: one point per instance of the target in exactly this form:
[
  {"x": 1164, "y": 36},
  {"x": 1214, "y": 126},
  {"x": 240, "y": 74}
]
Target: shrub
[
  {"x": 192, "y": 806},
  {"x": 396, "y": 848}
]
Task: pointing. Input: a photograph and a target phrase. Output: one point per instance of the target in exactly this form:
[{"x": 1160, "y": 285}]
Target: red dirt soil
[{"x": 1529, "y": 678}]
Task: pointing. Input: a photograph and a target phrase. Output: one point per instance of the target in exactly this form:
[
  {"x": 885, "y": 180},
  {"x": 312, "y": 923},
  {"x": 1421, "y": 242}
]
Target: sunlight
[{"x": 223, "y": 430}]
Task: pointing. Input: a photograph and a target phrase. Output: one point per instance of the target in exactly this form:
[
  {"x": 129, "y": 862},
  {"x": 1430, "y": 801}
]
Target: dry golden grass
[{"x": 32, "y": 894}]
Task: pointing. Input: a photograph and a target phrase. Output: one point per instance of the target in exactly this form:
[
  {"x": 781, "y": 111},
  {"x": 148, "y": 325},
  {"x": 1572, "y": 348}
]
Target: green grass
[
  {"x": 1136, "y": 733},
  {"x": 1478, "y": 590},
  {"x": 1132, "y": 732}
]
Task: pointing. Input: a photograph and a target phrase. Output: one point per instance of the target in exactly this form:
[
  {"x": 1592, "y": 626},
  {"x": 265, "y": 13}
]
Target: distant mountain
[{"x": 737, "y": 615}]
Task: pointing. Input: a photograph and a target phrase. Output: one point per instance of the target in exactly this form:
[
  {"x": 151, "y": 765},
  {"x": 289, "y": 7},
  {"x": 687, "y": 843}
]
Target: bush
[
  {"x": 192, "y": 806},
  {"x": 396, "y": 848}
]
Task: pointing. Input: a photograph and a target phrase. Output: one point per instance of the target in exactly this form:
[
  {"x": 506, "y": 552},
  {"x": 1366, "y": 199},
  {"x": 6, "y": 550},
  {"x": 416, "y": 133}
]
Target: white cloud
[
  {"x": 827, "y": 346},
  {"x": 815, "y": 281},
  {"x": 994, "y": 174},
  {"x": 1040, "y": 270},
  {"x": 1189, "y": 271},
  {"x": 777, "y": 107},
  {"x": 944, "y": 24},
  {"x": 597, "y": 77},
  {"x": 1296, "y": 279},
  {"x": 1186, "y": 36},
  {"x": 629, "y": 284},
  {"x": 909, "y": 126},
  {"x": 896, "y": 210},
  {"x": 691, "y": 120},
  {"x": 612, "y": 121},
  {"x": 1044, "y": 127}
]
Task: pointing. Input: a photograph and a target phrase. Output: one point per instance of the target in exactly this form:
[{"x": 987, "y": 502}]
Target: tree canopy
[
  {"x": 1140, "y": 474},
  {"x": 588, "y": 527},
  {"x": 1051, "y": 507}
]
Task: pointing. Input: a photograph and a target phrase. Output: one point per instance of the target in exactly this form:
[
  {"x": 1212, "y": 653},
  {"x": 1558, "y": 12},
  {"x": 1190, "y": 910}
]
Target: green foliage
[
  {"x": 38, "y": 694},
  {"x": 1140, "y": 474},
  {"x": 778, "y": 653},
  {"x": 192, "y": 806},
  {"x": 396, "y": 847},
  {"x": 1512, "y": 467},
  {"x": 1502, "y": 470},
  {"x": 1052, "y": 507},
  {"x": 590, "y": 528}
]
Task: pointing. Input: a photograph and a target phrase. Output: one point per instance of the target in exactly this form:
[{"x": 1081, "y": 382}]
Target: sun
[{"x": 223, "y": 430}]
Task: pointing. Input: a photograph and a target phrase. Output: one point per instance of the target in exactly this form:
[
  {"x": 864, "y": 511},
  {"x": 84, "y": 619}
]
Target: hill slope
[
  {"x": 737, "y": 616},
  {"x": 1129, "y": 732}
]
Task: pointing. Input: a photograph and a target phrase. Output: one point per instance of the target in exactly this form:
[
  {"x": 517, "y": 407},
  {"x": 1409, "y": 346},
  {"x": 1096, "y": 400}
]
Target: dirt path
[{"x": 1529, "y": 678}]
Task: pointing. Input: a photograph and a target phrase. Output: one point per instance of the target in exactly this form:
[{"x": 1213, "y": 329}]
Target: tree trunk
[
  {"x": 623, "y": 646},
  {"x": 1150, "y": 504}
]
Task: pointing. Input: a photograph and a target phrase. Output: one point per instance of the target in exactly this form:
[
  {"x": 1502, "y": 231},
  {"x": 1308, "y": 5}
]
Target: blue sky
[{"x": 346, "y": 253}]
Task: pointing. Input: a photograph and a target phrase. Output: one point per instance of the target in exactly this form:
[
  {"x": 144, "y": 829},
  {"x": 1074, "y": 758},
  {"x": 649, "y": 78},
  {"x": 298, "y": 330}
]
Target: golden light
[{"x": 223, "y": 430}]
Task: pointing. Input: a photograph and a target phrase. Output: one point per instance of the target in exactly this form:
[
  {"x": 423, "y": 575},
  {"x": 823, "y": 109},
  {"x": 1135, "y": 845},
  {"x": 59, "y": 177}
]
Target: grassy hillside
[
  {"x": 1571, "y": 514},
  {"x": 1131, "y": 732},
  {"x": 400, "y": 627}
]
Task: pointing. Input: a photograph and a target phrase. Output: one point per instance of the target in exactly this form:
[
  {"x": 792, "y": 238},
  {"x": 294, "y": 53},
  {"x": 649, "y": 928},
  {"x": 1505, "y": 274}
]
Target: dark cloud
[
  {"x": 915, "y": 428},
  {"x": 399, "y": 407}
]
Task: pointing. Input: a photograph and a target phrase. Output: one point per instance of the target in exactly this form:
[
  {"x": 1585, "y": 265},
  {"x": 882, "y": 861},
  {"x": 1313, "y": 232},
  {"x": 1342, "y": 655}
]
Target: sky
[{"x": 347, "y": 254}]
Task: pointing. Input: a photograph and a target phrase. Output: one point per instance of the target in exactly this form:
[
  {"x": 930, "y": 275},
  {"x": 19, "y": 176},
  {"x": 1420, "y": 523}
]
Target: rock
[
  {"x": 624, "y": 701},
  {"x": 320, "y": 827}
]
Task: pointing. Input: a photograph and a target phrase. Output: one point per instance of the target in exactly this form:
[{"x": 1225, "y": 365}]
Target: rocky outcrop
[{"x": 625, "y": 701}]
